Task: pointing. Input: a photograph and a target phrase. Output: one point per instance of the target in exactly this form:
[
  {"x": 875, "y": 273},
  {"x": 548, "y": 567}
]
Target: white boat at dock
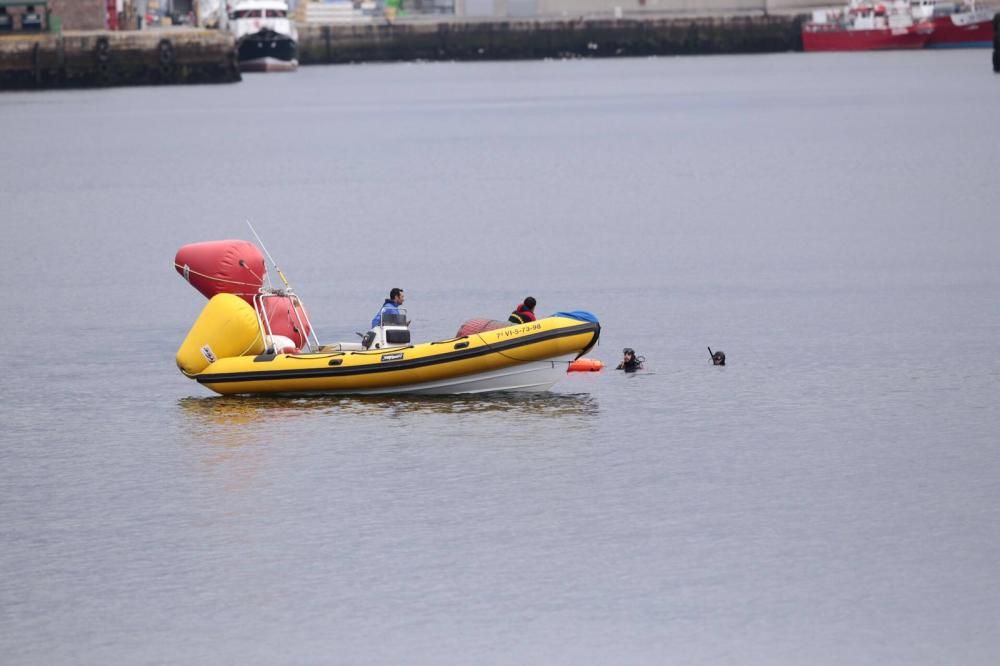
[{"x": 266, "y": 38}]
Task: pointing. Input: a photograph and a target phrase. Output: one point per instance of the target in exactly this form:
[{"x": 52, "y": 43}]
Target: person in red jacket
[{"x": 524, "y": 312}]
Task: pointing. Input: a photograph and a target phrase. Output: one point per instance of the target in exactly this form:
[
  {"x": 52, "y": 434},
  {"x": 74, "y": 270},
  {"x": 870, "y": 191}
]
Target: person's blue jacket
[{"x": 387, "y": 308}]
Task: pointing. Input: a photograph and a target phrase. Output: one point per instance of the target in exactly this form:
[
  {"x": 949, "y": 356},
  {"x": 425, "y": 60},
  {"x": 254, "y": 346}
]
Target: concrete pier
[
  {"x": 546, "y": 38},
  {"x": 99, "y": 58}
]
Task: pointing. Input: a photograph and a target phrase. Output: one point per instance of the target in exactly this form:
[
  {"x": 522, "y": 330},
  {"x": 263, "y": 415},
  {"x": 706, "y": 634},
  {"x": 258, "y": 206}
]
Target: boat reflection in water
[
  {"x": 244, "y": 445},
  {"x": 238, "y": 412}
]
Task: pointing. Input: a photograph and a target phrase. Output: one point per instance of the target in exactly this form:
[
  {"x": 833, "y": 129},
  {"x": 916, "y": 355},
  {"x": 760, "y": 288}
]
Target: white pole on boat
[
  {"x": 273, "y": 262},
  {"x": 263, "y": 322},
  {"x": 296, "y": 302}
]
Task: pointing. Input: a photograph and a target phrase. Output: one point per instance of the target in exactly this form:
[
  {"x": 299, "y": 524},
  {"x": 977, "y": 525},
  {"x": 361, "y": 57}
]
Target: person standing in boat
[
  {"x": 524, "y": 312},
  {"x": 391, "y": 305}
]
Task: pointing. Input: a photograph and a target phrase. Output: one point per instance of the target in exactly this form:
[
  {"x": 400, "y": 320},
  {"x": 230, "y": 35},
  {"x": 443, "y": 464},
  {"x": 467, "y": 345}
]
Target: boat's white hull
[{"x": 532, "y": 377}]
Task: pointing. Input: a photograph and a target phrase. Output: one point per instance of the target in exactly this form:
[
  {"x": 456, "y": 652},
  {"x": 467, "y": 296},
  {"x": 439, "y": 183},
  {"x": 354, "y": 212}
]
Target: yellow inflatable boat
[{"x": 231, "y": 350}]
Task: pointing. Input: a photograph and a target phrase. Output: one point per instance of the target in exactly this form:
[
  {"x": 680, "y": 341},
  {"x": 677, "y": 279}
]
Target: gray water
[{"x": 831, "y": 496}]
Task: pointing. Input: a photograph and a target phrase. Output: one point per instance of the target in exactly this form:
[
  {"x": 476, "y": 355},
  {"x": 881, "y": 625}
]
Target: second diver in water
[{"x": 630, "y": 362}]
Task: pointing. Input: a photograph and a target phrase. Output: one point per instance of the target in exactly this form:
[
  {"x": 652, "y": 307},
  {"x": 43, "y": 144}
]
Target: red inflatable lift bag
[
  {"x": 226, "y": 266},
  {"x": 473, "y": 326},
  {"x": 287, "y": 318}
]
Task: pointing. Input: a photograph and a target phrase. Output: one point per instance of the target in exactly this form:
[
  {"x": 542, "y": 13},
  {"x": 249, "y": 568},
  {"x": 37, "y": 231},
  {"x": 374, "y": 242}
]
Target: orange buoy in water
[{"x": 585, "y": 365}]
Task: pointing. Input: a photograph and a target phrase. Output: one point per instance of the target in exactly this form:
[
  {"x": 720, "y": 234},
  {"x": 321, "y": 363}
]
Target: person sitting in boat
[
  {"x": 6, "y": 22},
  {"x": 630, "y": 362},
  {"x": 524, "y": 312},
  {"x": 32, "y": 20},
  {"x": 391, "y": 306}
]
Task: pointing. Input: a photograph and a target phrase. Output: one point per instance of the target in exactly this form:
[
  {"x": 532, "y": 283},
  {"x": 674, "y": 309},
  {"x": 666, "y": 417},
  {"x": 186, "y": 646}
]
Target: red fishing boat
[
  {"x": 864, "y": 26},
  {"x": 955, "y": 25}
]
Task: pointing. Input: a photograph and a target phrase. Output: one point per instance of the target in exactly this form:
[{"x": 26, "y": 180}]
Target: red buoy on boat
[
  {"x": 222, "y": 267},
  {"x": 585, "y": 365}
]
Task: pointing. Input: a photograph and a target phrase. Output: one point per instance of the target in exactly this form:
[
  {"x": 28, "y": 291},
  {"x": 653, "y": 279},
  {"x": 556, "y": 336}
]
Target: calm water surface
[{"x": 832, "y": 496}]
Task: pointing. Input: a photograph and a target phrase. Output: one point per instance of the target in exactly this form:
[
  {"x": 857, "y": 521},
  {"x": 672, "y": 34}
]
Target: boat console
[{"x": 393, "y": 331}]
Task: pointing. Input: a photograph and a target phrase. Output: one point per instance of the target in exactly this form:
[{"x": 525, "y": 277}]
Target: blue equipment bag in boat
[{"x": 582, "y": 315}]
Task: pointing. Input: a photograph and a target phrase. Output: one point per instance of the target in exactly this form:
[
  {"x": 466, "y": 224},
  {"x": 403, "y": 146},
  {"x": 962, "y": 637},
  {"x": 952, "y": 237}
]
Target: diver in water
[
  {"x": 630, "y": 362},
  {"x": 718, "y": 357}
]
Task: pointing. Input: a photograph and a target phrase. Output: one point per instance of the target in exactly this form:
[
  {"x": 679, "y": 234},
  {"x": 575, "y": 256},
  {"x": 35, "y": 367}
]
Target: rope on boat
[
  {"x": 188, "y": 269},
  {"x": 518, "y": 360},
  {"x": 243, "y": 264},
  {"x": 250, "y": 346}
]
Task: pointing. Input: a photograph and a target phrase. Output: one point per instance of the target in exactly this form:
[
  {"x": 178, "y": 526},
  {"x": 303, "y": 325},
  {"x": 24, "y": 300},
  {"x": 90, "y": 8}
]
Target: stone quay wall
[
  {"x": 102, "y": 58},
  {"x": 546, "y": 38}
]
